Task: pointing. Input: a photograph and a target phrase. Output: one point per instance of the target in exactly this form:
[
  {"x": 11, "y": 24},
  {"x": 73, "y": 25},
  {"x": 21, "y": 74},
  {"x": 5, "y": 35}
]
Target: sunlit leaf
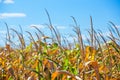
[
  {"x": 93, "y": 54},
  {"x": 90, "y": 53},
  {"x": 54, "y": 75},
  {"x": 87, "y": 52}
]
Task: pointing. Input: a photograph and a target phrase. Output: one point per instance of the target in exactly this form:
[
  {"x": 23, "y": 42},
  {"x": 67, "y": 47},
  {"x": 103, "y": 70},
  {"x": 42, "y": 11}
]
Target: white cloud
[
  {"x": 8, "y": 1},
  {"x": 61, "y": 27},
  {"x": 11, "y": 15},
  {"x": 37, "y": 25},
  {"x": 118, "y": 26},
  {"x": 3, "y": 32}
]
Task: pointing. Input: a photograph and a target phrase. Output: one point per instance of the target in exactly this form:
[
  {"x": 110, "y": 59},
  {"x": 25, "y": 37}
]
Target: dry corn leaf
[
  {"x": 94, "y": 64},
  {"x": 90, "y": 53},
  {"x": 45, "y": 37},
  {"x": 35, "y": 64},
  {"x": 48, "y": 64},
  {"x": 87, "y": 52},
  {"x": 80, "y": 67},
  {"x": 106, "y": 77},
  {"x": 103, "y": 69},
  {"x": 73, "y": 60},
  {"x": 93, "y": 54},
  {"x": 16, "y": 61},
  {"x": 54, "y": 75},
  {"x": 7, "y": 47},
  {"x": 114, "y": 79},
  {"x": 53, "y": 52},
  {"x": 58, "y": 72},
  {"x": 64, "y": 77}
]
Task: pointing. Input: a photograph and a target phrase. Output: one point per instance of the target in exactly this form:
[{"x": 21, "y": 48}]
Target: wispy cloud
[
  {"x": 11, "y": 15},
  {"x": 38, "y": 25},
  {"x": 8, "y": 1}
]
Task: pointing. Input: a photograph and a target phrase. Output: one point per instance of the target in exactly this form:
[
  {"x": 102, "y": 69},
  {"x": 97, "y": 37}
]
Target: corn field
[{"x": 41, "y": 60}]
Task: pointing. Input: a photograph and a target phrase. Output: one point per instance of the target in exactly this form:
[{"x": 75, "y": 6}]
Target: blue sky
[{"x": 32, "y": 12}]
